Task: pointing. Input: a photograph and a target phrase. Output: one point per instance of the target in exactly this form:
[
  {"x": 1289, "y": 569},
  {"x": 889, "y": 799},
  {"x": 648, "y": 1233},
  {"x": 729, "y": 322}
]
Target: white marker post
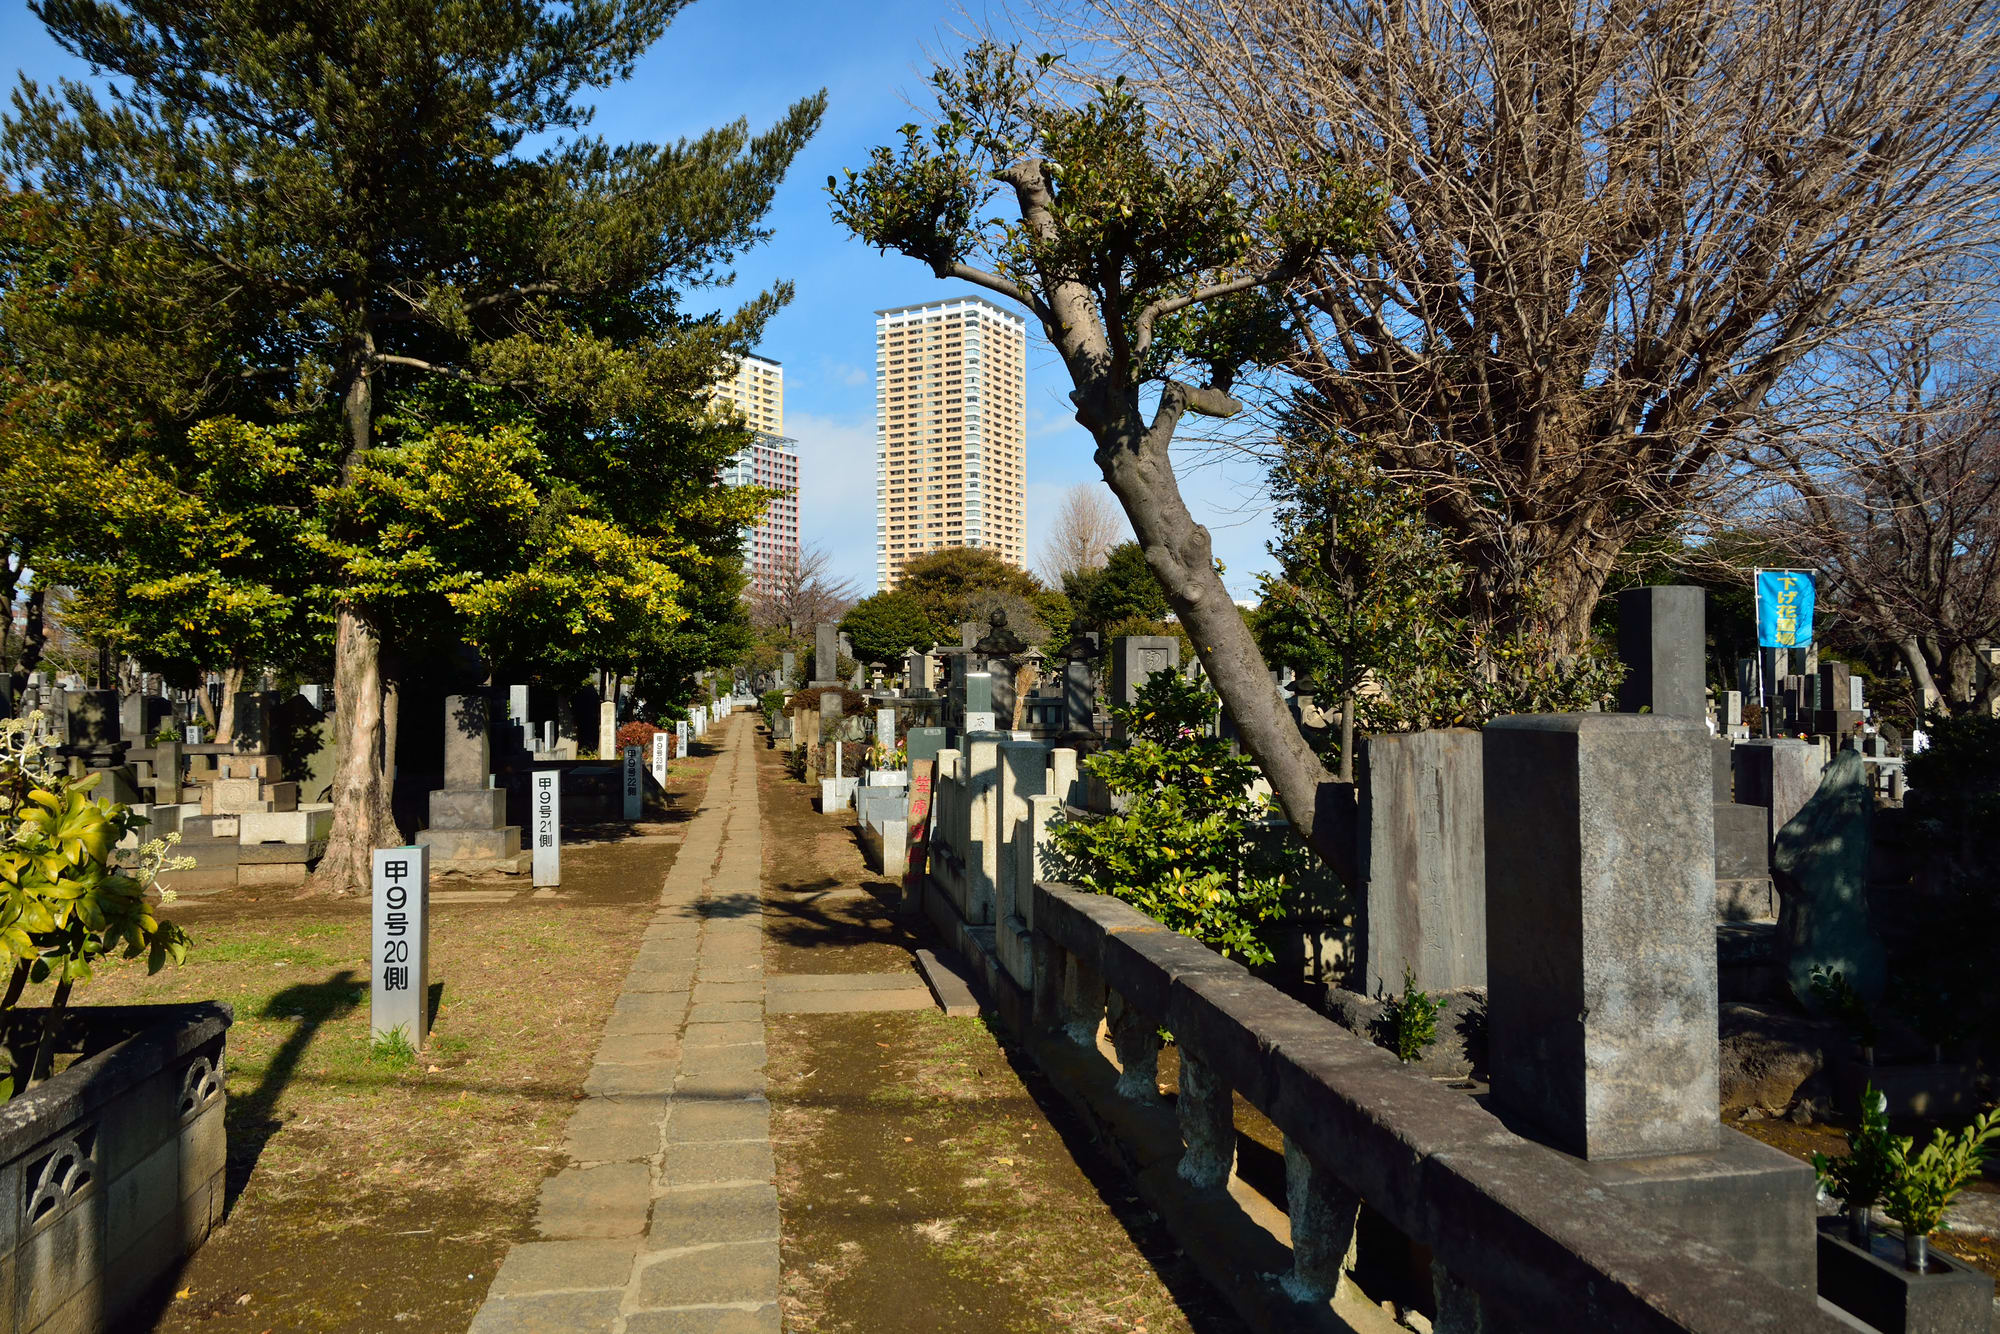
[
  {"x": 546, "y": 794},
  {"x": 402, "y": 990},
  {"x": 660, "y": 759},
  {"x": 681, "y": 734},
  {"x": 635, "y": 782}
]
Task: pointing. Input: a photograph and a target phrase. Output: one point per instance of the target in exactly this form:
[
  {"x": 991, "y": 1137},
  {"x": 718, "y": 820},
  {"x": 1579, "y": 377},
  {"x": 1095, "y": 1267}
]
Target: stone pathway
[{"x": 666, "y": 1222}]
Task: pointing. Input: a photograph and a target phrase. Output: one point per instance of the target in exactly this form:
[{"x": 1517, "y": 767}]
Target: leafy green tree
[
  {"x": 1369, "y": 603},
  {"x": 1190, "y": 849},
  {"x": 1124, "y": 587},
  {"x": 886, "y": 626},
  {"x": 950, "y": 583},
  {"x": 1147, "y": 264},
  {"x": 344, "y": 204}
]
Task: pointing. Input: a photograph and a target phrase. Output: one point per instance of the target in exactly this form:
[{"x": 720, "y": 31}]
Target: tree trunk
[
  {"x": 392, "y": 719},
  {"x": 357, "y": 781},
  {"x": 1346, "y": 774},
  {"x": 360, "y": 801},
  {"x": 34, "y": 637},
  {"x": 225, "y": 718},
  {"x": 1136, "y": 466}
]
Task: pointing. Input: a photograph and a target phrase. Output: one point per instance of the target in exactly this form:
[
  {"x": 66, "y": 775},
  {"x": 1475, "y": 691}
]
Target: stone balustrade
[{"x": 1522, "y": 1237}]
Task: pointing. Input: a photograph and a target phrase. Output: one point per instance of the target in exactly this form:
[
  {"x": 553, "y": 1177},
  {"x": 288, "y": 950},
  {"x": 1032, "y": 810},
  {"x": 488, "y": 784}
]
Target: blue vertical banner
[{"x": 1784, "y": 609}]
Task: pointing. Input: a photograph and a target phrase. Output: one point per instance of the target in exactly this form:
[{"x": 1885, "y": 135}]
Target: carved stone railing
[
  {"x": 111, "y": 1173},
  {"x": 1521, "y": 1236}
]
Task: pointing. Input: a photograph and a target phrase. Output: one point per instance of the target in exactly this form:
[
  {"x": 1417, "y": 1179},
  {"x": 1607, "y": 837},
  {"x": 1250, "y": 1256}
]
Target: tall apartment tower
[
  {"x": 951, "y": 432},
  {"x": 757, "y": 390}
]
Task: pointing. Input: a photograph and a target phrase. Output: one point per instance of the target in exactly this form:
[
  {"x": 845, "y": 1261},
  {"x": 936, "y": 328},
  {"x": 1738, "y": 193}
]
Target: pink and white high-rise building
[{"x": 772, "y": 547}]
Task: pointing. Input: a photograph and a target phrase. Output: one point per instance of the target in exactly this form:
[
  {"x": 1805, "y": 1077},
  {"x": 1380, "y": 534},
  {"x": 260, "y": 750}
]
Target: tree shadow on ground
[{"x": 252, "y": 1117}]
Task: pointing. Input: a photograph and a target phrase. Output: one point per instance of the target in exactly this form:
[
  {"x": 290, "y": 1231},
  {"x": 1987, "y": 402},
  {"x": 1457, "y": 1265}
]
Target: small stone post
[
  {"x": 1208, "y": 1126},
  {"x": 1324, "y": 1211}
]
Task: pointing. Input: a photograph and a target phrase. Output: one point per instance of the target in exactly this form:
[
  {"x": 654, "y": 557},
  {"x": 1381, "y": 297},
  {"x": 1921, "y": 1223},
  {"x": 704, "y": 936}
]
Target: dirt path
[{"x": 924, "y": 1184}]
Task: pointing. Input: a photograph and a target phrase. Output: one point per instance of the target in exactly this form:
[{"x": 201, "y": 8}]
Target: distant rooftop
[{"x": 943, "y": 302}]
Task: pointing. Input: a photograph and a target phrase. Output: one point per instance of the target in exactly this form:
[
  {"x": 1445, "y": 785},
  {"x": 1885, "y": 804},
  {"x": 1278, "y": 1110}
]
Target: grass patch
[{"x": 417, "y": 1167}]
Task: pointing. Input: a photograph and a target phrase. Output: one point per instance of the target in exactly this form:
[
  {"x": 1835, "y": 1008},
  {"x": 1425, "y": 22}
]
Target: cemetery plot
[{"x": 417, "y": 1172}]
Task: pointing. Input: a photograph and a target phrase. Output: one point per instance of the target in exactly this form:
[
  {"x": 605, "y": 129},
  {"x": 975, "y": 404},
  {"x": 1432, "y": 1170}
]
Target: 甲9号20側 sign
[{"x": 402, "y": 901}]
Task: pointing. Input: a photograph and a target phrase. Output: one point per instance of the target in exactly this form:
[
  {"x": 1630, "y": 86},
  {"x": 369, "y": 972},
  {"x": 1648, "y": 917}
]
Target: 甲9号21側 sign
[
  {"x": 402, "y": 901},
  {"x": 545, "y": 794}
]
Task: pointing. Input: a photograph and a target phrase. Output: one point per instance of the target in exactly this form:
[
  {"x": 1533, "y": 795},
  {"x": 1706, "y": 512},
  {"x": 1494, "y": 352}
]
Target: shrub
[
  {"x": 65, "y": 899},
  {"x": 638, "y": 734},
  {"x": 1192, "y": 849},
  {"x": 1926, "y": 1184}
]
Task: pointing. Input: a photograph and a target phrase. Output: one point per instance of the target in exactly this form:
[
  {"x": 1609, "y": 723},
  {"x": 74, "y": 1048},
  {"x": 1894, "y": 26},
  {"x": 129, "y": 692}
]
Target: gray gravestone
[
  {"x": 826, "y": 654},
  {"x": 545, "y": 797},
  {"x": 788, "y": 670},
  {"x": 925, "y": 743},
  {"x": 1820, "y": 865},
  {"x": 1600, "y": 926},
  {"x": 1423, "y": 856},
  {"x": 978, "y": 702},
  {"x": 400, "y": 997},
  {"x": 1780, "y": 774},
  {"x": 1136, "y": 657},
  {"x": 1662, "y": 637},
  {"x": 1079, "y": 696},
  {"x": 468, "y": 816}
]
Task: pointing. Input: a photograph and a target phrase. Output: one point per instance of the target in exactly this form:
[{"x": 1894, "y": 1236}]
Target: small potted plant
[
  {"x": 1926, "y": 1184},
  {"x": 1859, "y": 1179}
]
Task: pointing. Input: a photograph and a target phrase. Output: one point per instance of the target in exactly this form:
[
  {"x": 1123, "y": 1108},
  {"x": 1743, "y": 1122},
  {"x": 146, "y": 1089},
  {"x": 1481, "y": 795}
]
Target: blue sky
[{"x": 723, "y": 59}]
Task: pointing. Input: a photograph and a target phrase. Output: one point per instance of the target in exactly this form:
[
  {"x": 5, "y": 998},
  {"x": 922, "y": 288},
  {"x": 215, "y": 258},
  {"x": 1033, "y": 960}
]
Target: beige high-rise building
[
  {"x": 951, "y": 432},
  {"x": 758, "y": 389}
]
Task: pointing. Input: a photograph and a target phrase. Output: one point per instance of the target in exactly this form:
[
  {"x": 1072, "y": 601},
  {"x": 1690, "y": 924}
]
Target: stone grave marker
[
  {"x": 1662, "y": 636},
  {"x": 634, "y": 782},
  {"x": 400, "y": 996},
  {"x": 826, "y": 654},
  {"x": 978, "y": 702},
  {"x": 545, "y": 792},
  {"x": 660, "y": 744}
]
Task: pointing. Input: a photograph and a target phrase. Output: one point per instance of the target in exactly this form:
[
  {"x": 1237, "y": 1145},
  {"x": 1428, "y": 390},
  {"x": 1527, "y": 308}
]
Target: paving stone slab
[
  {"x": 706, "y": 1320},
  {"x": 740, "y": 1058},
  {"x": 782, "y": 983},
  {"x": 609, "y": 1200},
  {"x": 549, "y": 1313},
  {"x": 655, "y": 1004},
  {"x": 678, "y": 978},
  {"x": 640, "y": 1050},
  {"x": 708, "y": 1275},
  {"x": 721, "y": 1035},
  {"x": 615, "y": 1130},
  {"x": 735, "y": 972},
  {"x": 718, "y": 1213},
  {"x": 716, "y": 1163},
  {"x": 639, "y": 1080},
  {"x": 710, "y": 993},
  {"x": 565, "y": 1266},
  {"x": 691, "y": 1122},
  {"x": 626, "y": 1027},
  {"x": 725, "y": 1012},
  {"x": 720, "y": 1085}
]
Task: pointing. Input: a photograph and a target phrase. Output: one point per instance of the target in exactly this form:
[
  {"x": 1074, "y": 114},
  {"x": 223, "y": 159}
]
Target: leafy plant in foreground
[
  {"x": 1194, "y": 848},
  {"x": 1409, "y": 1023}
]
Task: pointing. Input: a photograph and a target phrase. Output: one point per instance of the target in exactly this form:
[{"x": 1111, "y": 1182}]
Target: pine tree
[{"x": 362, "y": 198}]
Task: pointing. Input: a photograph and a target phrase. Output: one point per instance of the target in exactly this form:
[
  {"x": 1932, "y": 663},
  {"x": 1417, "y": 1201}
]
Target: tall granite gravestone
[
  {"x": 1837, "y": 715},
  {"x": 1779, "y": 774},
  {"x": 788, "y": 670},
  {"x": 1662, "y": 637},
  {"x": 1422, "y": 853},
  {"x": 1080, "y": 682},
  {"x": 1820, "y": 864},
  {"x": 1135, "y": 658},
  {"x": 826, "y": 654},
  {"x": 468, "y": 827},
  {"x": 1601, "y": 977},
  {"x": 924, "y": 743},
  {"x": 979, "y": 712}
]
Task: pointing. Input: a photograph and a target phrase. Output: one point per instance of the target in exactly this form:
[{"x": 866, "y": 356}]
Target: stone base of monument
[
  {"x": 1752, "y": 1201},
  {"x": 1751, "y": 899},
  {"x": 1872, "y": 1285},
  {"x": 469, "y": 833},
  {"x": 1930, "y": 1091},
  {"x": 836, "y": 794}
]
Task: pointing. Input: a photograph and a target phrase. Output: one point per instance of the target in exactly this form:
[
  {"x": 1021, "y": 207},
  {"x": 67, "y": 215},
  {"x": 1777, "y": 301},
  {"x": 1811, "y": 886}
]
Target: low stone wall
[
  {"x": 1521, "y": 1236},
  {"x": 111, "y": 1174}
]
